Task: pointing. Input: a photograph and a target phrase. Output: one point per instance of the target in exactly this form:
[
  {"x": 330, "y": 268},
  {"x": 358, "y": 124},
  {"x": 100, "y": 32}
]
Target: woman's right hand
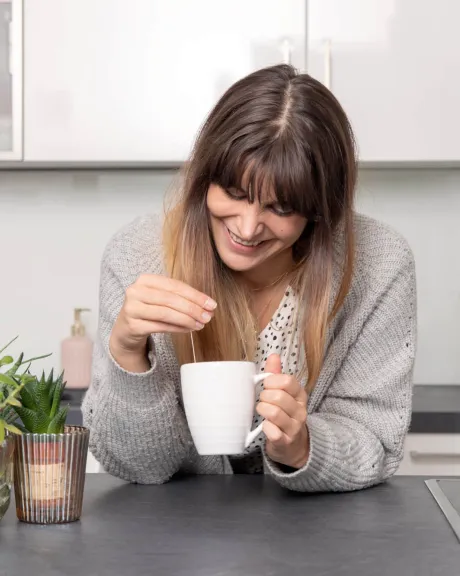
[{"x": 156, "y": 304}]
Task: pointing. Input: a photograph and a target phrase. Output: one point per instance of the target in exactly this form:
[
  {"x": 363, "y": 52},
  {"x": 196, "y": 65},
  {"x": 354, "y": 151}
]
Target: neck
[{"x": 269, "y": 272}]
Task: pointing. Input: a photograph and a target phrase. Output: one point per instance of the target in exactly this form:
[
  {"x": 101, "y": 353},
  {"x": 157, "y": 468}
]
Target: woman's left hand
[{"x": 283, "y": 404}]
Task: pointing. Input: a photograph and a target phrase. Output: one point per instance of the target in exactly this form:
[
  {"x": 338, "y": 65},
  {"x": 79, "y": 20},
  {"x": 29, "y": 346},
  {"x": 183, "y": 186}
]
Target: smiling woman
[{"x": 262, "y": 256}]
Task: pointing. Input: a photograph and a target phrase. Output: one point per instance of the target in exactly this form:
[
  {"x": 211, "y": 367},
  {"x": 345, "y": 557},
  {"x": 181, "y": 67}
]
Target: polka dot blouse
[{"x": 278, "y": 337}]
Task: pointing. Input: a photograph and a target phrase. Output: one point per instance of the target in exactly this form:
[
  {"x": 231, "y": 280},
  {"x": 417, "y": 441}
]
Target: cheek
[
  {"x": 210, "y": 203},
  {"x": 217, "y": 202},
  {"x": 289, "y": 232}
]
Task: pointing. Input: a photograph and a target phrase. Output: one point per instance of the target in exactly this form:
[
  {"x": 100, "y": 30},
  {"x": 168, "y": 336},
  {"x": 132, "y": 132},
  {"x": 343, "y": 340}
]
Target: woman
[{"x": 261, "y": 257}]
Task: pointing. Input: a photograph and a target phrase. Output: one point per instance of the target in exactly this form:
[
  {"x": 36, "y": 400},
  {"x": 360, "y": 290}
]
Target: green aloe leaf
[
  {"x": 28, "y": 398},
  {"x": 50, "y": 386},
  {"x": 41, "y": 423},
  {"x": 56, "y": 426},
  {"x": 2, "y": 430},
  {"x": 42, "y": 395},
  {"x": 57, "y": 398},
  {"x": 28, "y": 418}
]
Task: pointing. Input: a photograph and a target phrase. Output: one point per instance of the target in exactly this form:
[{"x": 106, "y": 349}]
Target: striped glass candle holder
[
  {"x": 49, "y": 475},
  {"x": 6, "y": 472}
]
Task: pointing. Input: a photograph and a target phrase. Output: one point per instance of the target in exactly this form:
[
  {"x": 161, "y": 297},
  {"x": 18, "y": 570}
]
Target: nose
[{"x": 250, "y": 221}]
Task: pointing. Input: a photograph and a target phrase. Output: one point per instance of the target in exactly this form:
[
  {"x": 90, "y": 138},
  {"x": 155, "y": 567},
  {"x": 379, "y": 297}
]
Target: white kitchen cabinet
[
  {"x": 395, "y": 67},
  {"x": 10, "y": 79},
  {"x": 432, "y": 455},
  {"x": 133, "y": 81}
]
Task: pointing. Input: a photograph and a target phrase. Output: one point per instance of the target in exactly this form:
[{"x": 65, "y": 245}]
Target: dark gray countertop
[
  {"x": 436, "y": 409},
  {"x": 237, "y": 526}
]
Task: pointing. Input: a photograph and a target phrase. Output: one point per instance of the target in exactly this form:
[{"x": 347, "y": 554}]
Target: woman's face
[{"x": 249, "y": 236}]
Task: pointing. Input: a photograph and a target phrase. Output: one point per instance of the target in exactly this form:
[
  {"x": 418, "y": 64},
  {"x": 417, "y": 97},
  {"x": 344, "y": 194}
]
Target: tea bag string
[{"x": 193, "y": 346}]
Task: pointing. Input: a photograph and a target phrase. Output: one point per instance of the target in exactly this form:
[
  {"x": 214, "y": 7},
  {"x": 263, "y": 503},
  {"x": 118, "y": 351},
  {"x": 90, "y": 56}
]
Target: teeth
[{"x": 240, "y": 241}]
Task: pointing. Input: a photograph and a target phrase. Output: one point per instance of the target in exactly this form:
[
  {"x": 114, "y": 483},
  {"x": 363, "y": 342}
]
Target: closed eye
[
  {"x": 235, "y": 193},
  {"x": 280, "y": 210},
  {"x": 276, "y": 207}
]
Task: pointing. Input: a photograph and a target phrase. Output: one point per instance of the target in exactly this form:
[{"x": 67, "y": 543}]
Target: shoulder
[
  {"x": 382, "y": 254},
  {"x": 382, "y": 295},
  {"x": 135, "y": 249},
  {"x": 384, "y": 269}
]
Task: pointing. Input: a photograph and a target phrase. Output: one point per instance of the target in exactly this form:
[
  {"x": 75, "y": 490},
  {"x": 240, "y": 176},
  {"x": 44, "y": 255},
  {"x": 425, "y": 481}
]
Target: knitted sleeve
[
  {"x": 138, "y": 429},
  {"x": 357, "y": 432}
]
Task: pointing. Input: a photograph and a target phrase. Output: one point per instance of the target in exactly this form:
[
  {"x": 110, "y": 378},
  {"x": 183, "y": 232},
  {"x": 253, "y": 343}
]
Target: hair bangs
[{"x": 278, "y": 172}]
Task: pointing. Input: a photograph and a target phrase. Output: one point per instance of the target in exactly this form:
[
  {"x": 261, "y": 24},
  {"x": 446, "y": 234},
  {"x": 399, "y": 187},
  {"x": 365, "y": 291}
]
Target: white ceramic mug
[{"x": 219, "y": 400}]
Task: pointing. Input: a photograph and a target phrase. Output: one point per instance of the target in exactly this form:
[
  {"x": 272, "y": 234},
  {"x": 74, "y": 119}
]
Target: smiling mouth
[{"x": 242, "y": 242}]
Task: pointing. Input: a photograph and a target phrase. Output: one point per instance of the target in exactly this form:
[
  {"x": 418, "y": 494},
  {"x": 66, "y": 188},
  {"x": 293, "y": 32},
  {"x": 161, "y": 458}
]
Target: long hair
[{"x": 283, "y": 129}]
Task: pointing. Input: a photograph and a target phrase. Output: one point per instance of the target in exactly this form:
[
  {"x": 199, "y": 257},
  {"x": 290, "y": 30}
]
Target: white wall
[{"x": 54, "y": 226}]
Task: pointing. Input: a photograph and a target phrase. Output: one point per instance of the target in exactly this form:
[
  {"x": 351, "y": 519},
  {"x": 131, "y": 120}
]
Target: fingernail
[
  {"x": 210, "y": 304},
  {"x": 206, "y": 316},
  {"x": 199, "y": 326}
]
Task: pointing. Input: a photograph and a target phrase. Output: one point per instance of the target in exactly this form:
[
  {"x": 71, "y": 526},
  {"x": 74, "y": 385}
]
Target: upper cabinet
[
  {"x": 394, "y": 65},
  {"x": 10, "y": 79},
  {"x": 118, "y": 81}
]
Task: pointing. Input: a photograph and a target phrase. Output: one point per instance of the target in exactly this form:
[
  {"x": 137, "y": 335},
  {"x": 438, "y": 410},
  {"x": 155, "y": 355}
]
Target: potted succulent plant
[
  {"x": 11, "y": 384},
  {"x": 50, "y": 459}
]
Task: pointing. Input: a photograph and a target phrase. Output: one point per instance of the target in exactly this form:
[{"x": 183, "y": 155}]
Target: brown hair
[{"x": 284, "y": 129}]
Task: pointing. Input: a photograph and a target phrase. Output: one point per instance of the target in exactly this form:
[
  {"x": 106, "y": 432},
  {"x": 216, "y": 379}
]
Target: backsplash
[{"x": 55, "y": 225}]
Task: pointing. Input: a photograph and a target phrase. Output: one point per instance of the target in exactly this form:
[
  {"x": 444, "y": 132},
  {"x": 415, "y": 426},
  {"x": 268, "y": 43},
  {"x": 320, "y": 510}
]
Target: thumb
[{"x": 273, "y": 364}]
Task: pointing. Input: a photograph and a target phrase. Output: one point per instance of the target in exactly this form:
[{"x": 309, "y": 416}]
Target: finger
[
  {"x": 151, "y": 313},
  {"x": 294, "y": 408},
  {"x": 178, "y": 287},
  {"x": 274, "y": 434},
  {"x": 153, "y": 296},
  {"x": 144, "y": 328},
  {"x": 284, "y": 382},
  {"x": 273, "y": 364},
  {"x": 277, "y": 416}
]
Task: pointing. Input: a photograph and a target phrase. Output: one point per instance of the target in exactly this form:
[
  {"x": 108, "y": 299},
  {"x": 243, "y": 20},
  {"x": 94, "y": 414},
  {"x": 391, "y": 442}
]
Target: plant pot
[
  {"x": 6, "y": 473},
  {"x": 49, "y": 475}
]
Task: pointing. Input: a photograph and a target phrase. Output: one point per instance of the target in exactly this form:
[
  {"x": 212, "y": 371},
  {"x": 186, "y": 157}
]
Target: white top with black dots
[{"x": 278, "y": 337}]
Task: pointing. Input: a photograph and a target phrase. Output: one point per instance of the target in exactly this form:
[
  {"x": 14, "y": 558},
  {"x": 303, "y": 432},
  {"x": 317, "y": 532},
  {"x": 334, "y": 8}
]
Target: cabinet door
[
  {"x": 431, "y": 455},
  {"x": 395, "y": 68},
  {"x": 133, "y": 81},
  {"x": 10, "y": 79}
]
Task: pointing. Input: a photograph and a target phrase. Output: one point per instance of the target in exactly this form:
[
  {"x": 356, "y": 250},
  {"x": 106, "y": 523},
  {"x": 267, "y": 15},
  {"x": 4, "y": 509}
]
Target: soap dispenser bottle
[{"x": 76, "y": 354}]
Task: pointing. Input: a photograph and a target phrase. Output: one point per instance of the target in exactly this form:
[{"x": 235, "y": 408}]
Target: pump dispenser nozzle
[{"x": 78, "y": 328}]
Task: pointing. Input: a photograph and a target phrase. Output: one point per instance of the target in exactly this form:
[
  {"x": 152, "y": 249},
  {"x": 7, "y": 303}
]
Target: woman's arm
[
  {"x": 357, "y": 434},
  {"x": 138, "y": 428}
]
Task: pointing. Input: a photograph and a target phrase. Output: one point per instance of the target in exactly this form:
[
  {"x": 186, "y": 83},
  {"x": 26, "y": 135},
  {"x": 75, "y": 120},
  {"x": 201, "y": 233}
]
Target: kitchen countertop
[
  {"x": 436, "y": 409},
  {"x": 237, "y": 526}
]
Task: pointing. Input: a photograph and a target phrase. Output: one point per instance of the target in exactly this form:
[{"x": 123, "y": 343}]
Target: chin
[{"x": 237, "y": 263}]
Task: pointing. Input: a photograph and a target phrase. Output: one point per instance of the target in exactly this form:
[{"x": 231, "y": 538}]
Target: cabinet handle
[
  {"x": 286, "y": 51},
  {"x": 416, "y": 455},
  {"x": 10, "y": 48},
  {"x": 327, "y": 64}
]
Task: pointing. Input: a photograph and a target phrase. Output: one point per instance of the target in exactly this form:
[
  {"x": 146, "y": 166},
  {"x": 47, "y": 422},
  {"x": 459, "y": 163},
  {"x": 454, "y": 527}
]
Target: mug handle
[{"x": 254, "y": 433}]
